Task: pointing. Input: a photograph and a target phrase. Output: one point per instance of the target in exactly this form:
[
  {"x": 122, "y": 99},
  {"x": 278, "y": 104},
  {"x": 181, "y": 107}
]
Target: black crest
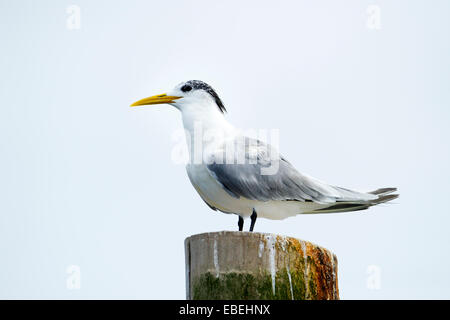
[{"x": 197, "y": 84}]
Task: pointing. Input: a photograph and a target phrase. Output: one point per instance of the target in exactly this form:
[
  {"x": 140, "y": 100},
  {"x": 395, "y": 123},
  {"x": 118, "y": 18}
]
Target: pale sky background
[{"x": 87, "y": 181}]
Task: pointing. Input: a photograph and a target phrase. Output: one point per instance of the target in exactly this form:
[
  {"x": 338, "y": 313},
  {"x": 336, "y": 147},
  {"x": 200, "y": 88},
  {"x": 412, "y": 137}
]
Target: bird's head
[{"x": 186, "y": 95}]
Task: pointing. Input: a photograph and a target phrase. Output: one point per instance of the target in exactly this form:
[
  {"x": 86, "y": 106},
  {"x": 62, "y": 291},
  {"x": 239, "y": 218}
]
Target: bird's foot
[
  {"x": 253, "y": 220},
  {"x": 240, "y": 223}
]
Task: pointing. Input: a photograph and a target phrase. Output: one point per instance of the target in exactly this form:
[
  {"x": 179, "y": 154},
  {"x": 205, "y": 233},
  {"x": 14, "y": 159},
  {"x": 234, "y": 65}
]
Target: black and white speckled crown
[{"x": 197, "y": 84}]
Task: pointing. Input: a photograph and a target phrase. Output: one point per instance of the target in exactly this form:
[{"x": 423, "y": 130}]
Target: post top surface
[{"x": 247, "y": 234}]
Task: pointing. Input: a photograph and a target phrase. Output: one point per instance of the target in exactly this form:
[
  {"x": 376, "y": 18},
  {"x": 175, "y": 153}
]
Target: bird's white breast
[{"x": 213, "y": 192}]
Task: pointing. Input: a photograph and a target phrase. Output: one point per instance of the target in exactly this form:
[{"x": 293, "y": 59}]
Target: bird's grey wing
[{"x": 265, "y": 176}]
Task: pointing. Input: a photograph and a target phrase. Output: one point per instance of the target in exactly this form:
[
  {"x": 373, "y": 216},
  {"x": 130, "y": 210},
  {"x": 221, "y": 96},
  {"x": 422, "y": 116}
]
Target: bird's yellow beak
[{"x": 158, "y": 99}]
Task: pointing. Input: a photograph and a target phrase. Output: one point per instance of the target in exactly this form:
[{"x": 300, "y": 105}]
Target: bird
[{"x": 237, "y": 174}]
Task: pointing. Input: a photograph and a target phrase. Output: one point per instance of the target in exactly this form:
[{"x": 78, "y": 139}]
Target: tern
[{"x": 253, "y": 179}]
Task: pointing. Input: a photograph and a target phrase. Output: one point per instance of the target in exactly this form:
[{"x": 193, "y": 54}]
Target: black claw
[
  {"x": 253, "y": 220},
  {"x": 240, "y": 223}
]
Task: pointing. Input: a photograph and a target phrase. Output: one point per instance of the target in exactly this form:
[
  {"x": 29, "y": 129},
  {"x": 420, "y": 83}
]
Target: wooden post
[{"x": 250, "y": 265}]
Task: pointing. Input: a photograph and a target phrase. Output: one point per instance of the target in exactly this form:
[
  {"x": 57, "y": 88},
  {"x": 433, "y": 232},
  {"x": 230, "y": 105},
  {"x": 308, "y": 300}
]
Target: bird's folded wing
[{"x": 265, "y": 176}]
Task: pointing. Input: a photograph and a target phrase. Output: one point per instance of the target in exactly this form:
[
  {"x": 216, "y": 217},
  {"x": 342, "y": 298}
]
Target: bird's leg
[
  {"x": 253, "y": 218},
  {"x": 240, "y": 223}
]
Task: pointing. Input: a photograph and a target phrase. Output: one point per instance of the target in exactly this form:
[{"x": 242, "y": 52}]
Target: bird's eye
[{"x": 186, "y": 88}]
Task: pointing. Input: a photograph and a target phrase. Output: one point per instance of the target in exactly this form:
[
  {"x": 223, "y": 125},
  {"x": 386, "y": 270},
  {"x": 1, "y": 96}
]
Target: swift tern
[{"x": 235, "y": 181}]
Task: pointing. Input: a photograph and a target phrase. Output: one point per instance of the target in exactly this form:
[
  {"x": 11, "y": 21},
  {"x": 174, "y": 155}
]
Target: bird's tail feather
[
  {"x": 383, "y": 199},
  {"x": 384, "y": 195},
  {"x": 383, "y": 191}
]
